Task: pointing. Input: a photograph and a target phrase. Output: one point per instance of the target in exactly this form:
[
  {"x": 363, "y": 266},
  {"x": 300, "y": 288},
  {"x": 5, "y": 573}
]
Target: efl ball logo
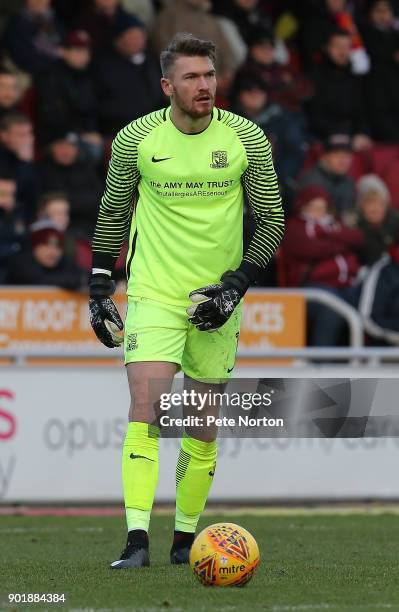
[{"x": 224, "y": 554}]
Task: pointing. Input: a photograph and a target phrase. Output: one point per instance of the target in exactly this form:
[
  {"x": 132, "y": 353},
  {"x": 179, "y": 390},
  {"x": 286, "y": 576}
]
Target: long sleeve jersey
[{"x": 182, "y": 195}]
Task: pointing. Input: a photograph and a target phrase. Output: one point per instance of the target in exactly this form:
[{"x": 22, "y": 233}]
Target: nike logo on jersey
[
  {"x": 156, "y": 160},
  {"x": 132, "y": 456}
]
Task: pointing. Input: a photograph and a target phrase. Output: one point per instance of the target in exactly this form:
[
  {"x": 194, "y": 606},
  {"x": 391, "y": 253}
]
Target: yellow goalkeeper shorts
[{"x": 155, "y": 331}]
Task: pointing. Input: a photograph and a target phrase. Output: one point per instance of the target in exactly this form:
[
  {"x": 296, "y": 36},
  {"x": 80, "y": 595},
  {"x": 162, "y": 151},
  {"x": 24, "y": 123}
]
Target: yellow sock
[
  {"x": 140, "y": 466},
  {"x": 194, "y": 476}
]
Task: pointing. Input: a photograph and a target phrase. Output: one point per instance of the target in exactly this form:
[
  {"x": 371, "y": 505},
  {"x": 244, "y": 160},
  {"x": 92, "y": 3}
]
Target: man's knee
[
  {"x": 147, "y": 382},
  {"x": 202, "y": 432}
]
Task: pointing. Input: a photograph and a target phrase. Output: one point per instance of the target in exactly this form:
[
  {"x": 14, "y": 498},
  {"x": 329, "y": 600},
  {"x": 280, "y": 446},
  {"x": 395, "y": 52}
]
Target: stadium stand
[{"x": 315, "y": 75}]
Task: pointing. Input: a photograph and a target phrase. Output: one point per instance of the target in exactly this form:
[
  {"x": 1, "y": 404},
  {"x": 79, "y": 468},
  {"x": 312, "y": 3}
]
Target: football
[{"x": 224, "y": 554}]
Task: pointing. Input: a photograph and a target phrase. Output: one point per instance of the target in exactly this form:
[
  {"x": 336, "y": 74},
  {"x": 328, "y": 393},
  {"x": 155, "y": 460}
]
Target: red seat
[
  {"x": 311, "y": 157},
  {"x": 107, "y": 151},
  {"x": 391, "y": 178},
  {"x": 281, "y": 271},
  {"x": 28, "y": 103},
  {"x": 361, "y": 164},
  {"x": 382, "y": 156},
  {"x": 83, "y": 253}
]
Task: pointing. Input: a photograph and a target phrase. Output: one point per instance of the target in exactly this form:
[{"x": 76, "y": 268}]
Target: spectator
[
  {"x": 325, "y": 17},
  {"x": 127, "y": 79},
  {"x": 286, "y": 88},
  {"x": 143, "y": 9},
  {"x": 16, "y": 158},
  {"x": 382, "y": 39},
  {"x": 43, "y": 262},
  {"x": 337, "y": 105},
  {"x": 66, "y": 169},
  {"x": 283, "y": 128},
  {"x": 379, "y": 300},
  {"x": 55, "y": 206},
  {"x": 319, "y": 251},
  {"x": 67, "y": 10},
  {"x": 9, "y": 92},
  {"x": 7, "y": 8},
  {"x": 317, "y": 246},
  {"x": 193, "y": 16},
  {"x": 101, "y": 19},
  {"x": 248, "y": 15},
  {"x": 33, "y": 37},
  {"x": 66, "y": 95},
  {"x": 378, "y": 221},
  {"x": 331, "y": 173},
  {"x": 11, "y": 227},
  {"x": 381, "y": 34},
  {"x": 317, "y": 22},
  {"x": 359, "y": 58}
]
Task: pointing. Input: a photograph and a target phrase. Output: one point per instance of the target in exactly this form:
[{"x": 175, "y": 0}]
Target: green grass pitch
[{"x": 342, "y": 563}]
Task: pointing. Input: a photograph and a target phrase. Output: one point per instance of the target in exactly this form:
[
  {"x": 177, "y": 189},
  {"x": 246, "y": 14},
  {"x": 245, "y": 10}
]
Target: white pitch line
[
  {"x": 330, "y": 510},
  {"x": 303, "y": 511}
]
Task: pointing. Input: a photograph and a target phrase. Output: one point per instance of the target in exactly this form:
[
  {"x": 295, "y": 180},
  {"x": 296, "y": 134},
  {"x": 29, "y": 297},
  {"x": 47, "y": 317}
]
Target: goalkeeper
[{"x": 177, "y": 176}]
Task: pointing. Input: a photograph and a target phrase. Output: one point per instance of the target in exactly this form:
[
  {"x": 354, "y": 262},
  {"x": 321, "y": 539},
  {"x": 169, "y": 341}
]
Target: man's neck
[{"x": 187, "y": 124}]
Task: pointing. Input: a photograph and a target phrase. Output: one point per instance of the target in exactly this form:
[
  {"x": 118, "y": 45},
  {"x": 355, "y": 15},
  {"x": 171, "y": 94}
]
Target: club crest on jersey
[
  {"x": 132, "y": 342},
  {"x": 219, "y": 159}
]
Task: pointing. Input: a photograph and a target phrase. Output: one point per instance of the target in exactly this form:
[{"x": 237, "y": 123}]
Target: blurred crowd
[{"x": 321, "y": 77}]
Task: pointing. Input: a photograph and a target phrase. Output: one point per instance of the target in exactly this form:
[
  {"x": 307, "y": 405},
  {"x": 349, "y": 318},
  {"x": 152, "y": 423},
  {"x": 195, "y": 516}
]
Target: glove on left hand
[{"x": 214, "y": 304}]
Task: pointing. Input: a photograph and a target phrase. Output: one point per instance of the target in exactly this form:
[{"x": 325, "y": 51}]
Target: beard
[{"x": 191, "y": 111}]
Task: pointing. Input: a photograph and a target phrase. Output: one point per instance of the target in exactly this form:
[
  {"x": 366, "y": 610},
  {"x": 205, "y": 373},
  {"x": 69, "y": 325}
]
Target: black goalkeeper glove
[
  {"x": 214, "y": 304},
  {"x": 104, "y": 316}
]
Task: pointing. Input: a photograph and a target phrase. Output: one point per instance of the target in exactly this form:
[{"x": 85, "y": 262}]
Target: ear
[{"x": 167, "y": 86}]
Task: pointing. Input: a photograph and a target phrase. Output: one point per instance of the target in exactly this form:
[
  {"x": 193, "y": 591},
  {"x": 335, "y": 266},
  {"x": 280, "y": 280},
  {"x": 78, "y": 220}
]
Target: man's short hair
[
  {"x": 338, "y": 32},
  {"x": 7, "y": 175},
  {"x": 184, "y": 44},
  {"x": 51, "y": 196},
  {"x": 6, "y": 72},
  {"x": 11, "y": 119}
]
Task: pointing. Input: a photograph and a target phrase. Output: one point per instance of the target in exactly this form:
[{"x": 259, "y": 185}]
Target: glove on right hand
[{"x": 104, "y": 316}]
